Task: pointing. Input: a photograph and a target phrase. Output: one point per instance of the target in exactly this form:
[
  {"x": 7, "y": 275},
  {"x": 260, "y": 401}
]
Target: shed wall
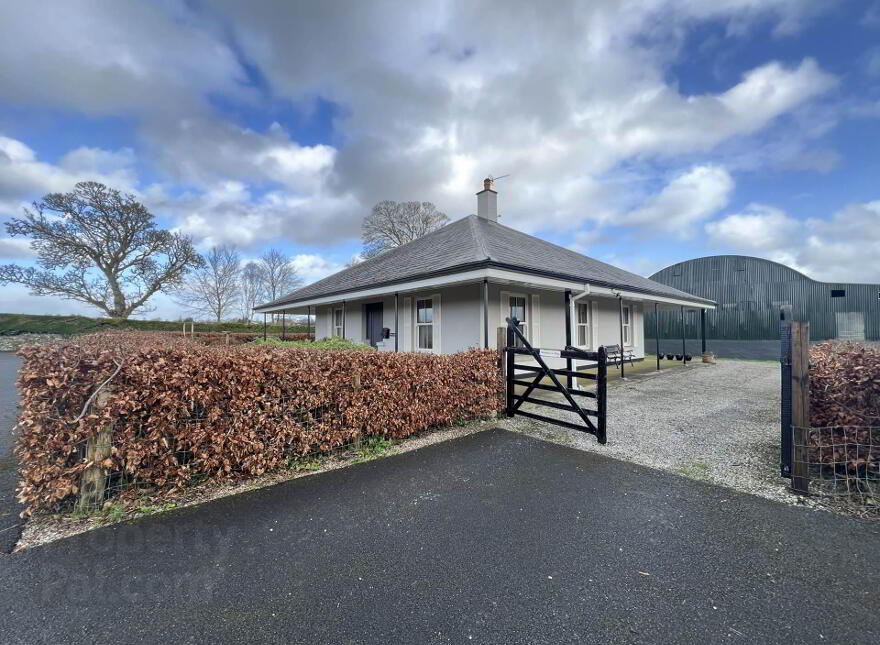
[{"x": 749, "y": 293}]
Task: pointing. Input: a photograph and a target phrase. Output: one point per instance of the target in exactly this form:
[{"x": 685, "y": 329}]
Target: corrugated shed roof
[{"x": 473, "y": 242}]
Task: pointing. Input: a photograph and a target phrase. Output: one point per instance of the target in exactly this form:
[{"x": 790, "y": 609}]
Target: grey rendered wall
[
  {"x": 551, "y": 311},
  {"x": 458, "y": 314},
  {"x": 461, "y": 324}
]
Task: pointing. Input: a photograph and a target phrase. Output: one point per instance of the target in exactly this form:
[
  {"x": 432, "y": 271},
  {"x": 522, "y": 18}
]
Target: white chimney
[{"x": 487, "y": 201}]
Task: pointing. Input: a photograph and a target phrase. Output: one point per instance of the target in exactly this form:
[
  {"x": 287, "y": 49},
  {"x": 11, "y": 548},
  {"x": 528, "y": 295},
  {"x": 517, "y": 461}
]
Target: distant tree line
[
  {"x": 101, "y": 247},
  {"x": 225, "y": 287}
]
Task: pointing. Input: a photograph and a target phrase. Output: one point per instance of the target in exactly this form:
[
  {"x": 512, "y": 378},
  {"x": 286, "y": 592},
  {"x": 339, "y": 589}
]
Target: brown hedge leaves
[
  {"x": 182, "y": 410},
  {"x": 844, "y": 403}
]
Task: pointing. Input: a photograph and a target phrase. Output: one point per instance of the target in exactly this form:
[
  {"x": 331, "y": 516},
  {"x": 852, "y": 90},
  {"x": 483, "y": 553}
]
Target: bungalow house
[{"x": 451, "y": 289}]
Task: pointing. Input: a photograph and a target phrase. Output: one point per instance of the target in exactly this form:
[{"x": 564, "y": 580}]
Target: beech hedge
[
  {"x": 845, "y": 407},
  {"x": 181, "y": 410}
]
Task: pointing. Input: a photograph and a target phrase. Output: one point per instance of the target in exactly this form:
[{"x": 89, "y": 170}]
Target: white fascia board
[
  {"x": 475, "y": 275},
  {"x": 384, "y": 290},
  {"x": 532, "y": 280},
  {"x": 644, "y": 297}
]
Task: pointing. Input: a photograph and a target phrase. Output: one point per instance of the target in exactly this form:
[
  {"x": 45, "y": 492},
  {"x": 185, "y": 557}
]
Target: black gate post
[
  {"x": 683, "y": 336},
  {"x": 264, "y": 327},
  {"x": 568, "y": 333},
  {"x": 703, "y": 328},
  {"x": 283, "y": 325},
  {"x": 602, "y": 394},
  {"x": 785, "y": 447},
  {"x": 620, "y": 320},
  {"x": 657, "y": 334},
  {"x": 510, "y": 369}
]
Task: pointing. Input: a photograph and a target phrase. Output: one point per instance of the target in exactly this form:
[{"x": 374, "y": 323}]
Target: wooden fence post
[
  {"x": 800, "y": 406},
  {"x": 98, "y": 448}
]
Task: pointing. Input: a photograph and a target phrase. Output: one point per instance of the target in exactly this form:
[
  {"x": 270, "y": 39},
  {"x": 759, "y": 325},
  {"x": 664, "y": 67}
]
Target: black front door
[{"x": 373, "y": 313}]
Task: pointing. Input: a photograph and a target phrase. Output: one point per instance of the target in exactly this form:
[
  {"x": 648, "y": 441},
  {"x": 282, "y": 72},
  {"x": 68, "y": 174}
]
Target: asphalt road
[
  {"x": 493, "y": 538},
  {"x": 10, "y": 525}
]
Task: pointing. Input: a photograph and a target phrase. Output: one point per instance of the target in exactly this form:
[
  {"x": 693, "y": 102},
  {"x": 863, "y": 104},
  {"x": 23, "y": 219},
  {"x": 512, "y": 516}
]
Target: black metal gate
[{"x": 518, "y": 345}]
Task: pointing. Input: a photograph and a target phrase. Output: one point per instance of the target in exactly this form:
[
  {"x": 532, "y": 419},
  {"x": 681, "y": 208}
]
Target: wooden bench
[{"x": 617, "y": 357}]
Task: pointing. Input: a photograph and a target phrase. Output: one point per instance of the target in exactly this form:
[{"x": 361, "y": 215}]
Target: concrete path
[
  {"x": 10, "y": 524},
  {"x": 493, "y": 538}
]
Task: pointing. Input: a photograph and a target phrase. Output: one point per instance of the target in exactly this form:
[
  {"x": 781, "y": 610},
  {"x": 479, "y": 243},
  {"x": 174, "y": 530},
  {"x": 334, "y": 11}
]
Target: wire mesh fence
[{"x": 841, "y": 463}]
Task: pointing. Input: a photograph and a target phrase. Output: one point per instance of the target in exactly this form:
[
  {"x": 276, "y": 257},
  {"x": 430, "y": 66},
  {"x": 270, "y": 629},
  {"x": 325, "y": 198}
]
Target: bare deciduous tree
[
  {"x": 251, "y": 289},
  {"x": 392, "y": 224},
  {"x": 101, "y": 247},
  {"x": 278, "y": 274},
  {"x": 214, "y": 288}
]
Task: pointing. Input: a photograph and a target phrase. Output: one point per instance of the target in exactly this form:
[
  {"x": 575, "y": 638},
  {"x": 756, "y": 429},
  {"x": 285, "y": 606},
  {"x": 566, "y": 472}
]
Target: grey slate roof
[{"x": 474, "y": 242}]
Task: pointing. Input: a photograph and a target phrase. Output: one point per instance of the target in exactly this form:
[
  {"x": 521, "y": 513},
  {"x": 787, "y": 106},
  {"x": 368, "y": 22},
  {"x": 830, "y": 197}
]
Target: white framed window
[
  {"x": 337, "y": 323},
  {"x": 583, "y": 324},
  {"x": 517, "y": 307},
  {"x": 425, "y": 324},
  {"x": 627, "y": 325}
]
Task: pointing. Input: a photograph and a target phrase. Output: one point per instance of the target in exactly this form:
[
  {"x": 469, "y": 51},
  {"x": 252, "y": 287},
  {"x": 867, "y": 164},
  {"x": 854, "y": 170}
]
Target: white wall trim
[
  {"x": 436, "y": 323},
  {"x": 520, "y": 279},
  {"x": 594, "y": 326},
  {"x": 536, "y": 320}
]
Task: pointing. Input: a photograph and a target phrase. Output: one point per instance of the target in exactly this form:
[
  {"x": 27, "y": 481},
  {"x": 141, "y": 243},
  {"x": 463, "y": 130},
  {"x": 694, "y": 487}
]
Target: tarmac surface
[
  {"x": 10, "y": 523},
  {"x": 492, "y": 538}
]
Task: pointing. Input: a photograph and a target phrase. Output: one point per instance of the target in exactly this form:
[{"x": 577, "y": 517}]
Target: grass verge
[{"x": 75, "y": 325}]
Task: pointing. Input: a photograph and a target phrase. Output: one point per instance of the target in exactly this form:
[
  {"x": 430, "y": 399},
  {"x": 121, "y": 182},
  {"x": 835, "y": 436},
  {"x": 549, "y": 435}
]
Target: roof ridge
[{"x": 482, "y": 250}]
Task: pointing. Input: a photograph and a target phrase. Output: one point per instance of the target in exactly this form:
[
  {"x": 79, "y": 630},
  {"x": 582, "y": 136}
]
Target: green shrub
[{"x": 327, "y": 343}]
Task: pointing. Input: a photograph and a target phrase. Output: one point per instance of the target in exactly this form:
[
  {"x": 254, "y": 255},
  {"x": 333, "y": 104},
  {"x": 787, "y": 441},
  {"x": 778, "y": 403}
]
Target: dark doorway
[{"x": 373, "y": 315}]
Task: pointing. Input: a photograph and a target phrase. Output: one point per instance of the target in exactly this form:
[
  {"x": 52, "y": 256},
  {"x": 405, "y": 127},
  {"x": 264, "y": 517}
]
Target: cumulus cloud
[
  {"x": 685, "y": 201},
  {"x": 108, "y": 57},
  {"x": 557, "y": 98},
  {"x": 15, "y": 248},
  {"x": 311, "y": 267},
  {"x": 429, "y": 97},
  {"x": 23, "y": 176},
  {"x": 759, "y": 227},
  {"x": 840, "y": 248},
  {"x": 227, "y": 212}
]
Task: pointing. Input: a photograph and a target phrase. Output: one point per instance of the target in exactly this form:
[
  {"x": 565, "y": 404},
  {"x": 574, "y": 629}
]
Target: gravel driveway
[{"x": 717, "y": 423}]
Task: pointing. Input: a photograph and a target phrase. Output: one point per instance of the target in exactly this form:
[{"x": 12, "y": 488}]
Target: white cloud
[
  {"x": 106, "y": 57},
  {"x": 311, "y": 267},
  {"x": 557, "y": 98},
  {"x": 205, "y": 150},
  {"x": 15, "y": 248},
  {"x": 227, "y": 212},
  {"x": 685, "y": 201},
  {"x": 24, "y": 177},
  {"x": 841, "y": 248},
  {"x": 758, "y": 228}
]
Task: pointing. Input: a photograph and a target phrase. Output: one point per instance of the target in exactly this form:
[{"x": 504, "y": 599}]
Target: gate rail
[{"x": 542, "y": 371}]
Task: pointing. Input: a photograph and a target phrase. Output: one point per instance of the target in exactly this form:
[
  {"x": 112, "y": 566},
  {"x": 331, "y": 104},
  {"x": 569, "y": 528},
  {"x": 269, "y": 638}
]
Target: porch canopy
[{"x": 479, "y": 250}]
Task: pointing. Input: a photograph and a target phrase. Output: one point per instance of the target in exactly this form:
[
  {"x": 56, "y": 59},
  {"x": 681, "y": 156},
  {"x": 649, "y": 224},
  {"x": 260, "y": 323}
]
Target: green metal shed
[{"x": 749, "y": 292}]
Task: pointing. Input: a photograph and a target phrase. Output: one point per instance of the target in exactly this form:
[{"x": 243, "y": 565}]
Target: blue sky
[{"x": 640, "y": 133}]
